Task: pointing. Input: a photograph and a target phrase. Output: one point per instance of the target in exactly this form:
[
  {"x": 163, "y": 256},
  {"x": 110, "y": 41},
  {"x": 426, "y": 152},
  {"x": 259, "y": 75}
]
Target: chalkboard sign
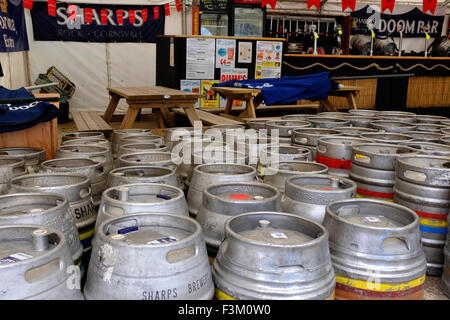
[{"x": 214, "y": 5}]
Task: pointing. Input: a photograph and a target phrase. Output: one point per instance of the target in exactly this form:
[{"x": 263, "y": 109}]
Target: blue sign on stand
[
  {"x": 61, "y": 28},
  {"x": 13, "y": 30}
]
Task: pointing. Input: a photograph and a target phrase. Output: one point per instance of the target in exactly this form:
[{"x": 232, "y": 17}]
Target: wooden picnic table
[
  {"x": 253, "y": 99},
  {"x": 156, "y": 97}
]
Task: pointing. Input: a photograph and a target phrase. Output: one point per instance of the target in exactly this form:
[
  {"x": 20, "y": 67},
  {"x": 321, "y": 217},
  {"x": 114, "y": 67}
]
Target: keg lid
[
  {"x": 273, "y": 228},
  {"x": 429, "y": 148},
  {"x": 24, "y": 242},
  {"x": 33, "y": 203},
  {"x": 142, "y": 193},
  {"x": 353, "y": 131},
  {"x": 429, "y": 127},
  {"x": 63, "y": 163},
  {"x": 148, "y": 235},
  {"x": 424, "y": 136},
  {"x": 293, "y": 166},
  {"x": 387, "y": 137},
  {"x": 141, "y": 171},
  {"x": 392, "y": 125}
]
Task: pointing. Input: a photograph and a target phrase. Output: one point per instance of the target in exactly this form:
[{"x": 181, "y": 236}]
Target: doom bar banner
[{"x": 61, "y": 28}]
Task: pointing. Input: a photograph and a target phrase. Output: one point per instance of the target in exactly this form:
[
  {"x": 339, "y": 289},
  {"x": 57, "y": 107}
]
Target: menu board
[
  {"x": 214, "y": 5},
  {"x": 200, "y": 54}
]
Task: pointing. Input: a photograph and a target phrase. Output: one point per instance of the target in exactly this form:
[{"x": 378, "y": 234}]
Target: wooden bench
[
  {"x": 346, "y": 92},
  {"x": 90, "y": 121},
  {"x": 209, "y": 118}
]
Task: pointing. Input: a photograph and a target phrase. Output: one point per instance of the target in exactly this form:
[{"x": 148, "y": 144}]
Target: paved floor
[{"x": 432, "y": 284}]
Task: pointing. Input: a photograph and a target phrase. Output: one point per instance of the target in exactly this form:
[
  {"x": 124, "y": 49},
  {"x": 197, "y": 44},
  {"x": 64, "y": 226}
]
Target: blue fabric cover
[
  {"x": 15, "y": 117},
  {"x": 287, "y": 89}
]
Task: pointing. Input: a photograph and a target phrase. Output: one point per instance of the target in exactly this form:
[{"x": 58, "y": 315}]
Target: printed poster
[
  {"x": 245, "y": 52},
  {"x": 230, "y": 74},
  {"x": 268, "y": 59},
  {"x": 210, "y": 98},
  {"x": 192, "y": 86},
  {"x": 200, "y": 54},
  {"x": 225, "y": 53}
]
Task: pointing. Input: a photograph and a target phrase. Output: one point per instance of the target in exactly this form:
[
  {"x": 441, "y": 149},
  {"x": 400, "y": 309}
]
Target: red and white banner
[{"x": 315, "y": 3}]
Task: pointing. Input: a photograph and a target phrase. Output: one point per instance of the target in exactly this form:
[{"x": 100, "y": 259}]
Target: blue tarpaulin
[
  {"x": 288, "y": 89},
  {"x": 20, "y": 116}
]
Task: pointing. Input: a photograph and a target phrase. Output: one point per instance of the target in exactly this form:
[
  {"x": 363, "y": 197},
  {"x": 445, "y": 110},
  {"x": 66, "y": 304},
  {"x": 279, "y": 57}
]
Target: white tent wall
[{"x": 95, "y": 66}]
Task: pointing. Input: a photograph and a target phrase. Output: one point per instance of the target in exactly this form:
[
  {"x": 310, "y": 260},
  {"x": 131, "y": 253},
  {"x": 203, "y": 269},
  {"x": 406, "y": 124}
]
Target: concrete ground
[{"x": 432, "y": 284}]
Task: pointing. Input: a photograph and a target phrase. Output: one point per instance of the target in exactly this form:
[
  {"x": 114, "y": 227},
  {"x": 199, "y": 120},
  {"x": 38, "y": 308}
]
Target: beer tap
[
  {"x": 400, "y": 41},
  {"x": 316, "y": 36},
  {"x": 372, "y": 37},
  {"x": 427, "y": 37}
]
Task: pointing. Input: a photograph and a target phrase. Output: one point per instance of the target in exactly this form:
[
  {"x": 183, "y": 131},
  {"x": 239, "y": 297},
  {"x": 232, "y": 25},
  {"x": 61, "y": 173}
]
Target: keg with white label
[
  {"x": 373, "y": 169},
  {"x": 149, "y": 257},
  {"x": 10, "y": 168},
  {"x": 224, "y": 200},
  {"x": 273, "y": 256},
  {"x": 141, "y": 197},
  {"x": 119, "y": 134},
  {"x": 308, "y": 195},
  {"x": 33, "y": 157},
  {"x": 75, "y": 187},
  {"x": 207, "y": 174},
  {"x": 36, "y": 264},
  {"x": 278, "y": 172},
  {"x": 94, "y": 170},
  {"x": 375, "y": 250},
  {"x": 423, "y": 185},
  {"x": 143, "y": 174},
  {"x": 97, "y": 153},
  {"x": 336, "y": 153},
  {"x": 48, "y": 209}
]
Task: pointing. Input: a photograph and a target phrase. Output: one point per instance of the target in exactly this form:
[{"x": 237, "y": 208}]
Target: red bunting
[
  {"x": 272, "y": 3},
  {"x": 51, "y": 6},
  {"x": 144, "y": 15},
  {"x": 131, "y": 16},
  {"x": 103, "y": 16},
  {"x": 155, "y": 13},
  {"x": 28, "y": 4},
  {"x": 178, "y": 4},
  {"x": 387, "y": 4},
  {"x": 315, "y": 3},
  {"x": 348, "y": 4},
  {"x": 72, "y": 12},
  {"x": 88, "y": 15},
  {"x": 429, "y": 5},
  {"x": 167, "y": 9},
  {"x": 119, "y": 14}
]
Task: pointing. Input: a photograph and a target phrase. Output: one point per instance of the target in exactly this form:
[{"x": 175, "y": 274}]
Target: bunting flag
[
  {"x": 348, "y": 4},
  {"x": 119, "y": 14},
  {"x": 273, "y": 3},
  {"x": 72, "y": 12},
  {"x": 167, "y": 9},
  {"x": 51, "y": 8},
  {"x": 131, "y": 16},
  {"x": 144, "y": 14},
  {"x": 178, "y": 4},
  {"x": 155, "y": 13},
  {"x": 429, "y": 5},
  {"x": 387, "y": 4},
  {"x": 88, "y": 15},
  {"x": 28, "y": 4},
  {"x": 315, "y": 3},
  {"x": 103, "y": 16}
]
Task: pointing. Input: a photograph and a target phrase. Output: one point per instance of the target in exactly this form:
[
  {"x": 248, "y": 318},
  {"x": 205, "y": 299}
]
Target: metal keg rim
[
  {"x": 215, "y": 197},
  {"x": 106, "y": 193},
  {"x": 227, "y": 126},
  {"x": 33, "y": 151},
  {"x": 438, "y": 134},
  {"x": 445, "y": 139},
  {"x": 250, "y": 170},
  {"x": 397, "y": 113},
  {"x": 137, "y": 130},
  {"x": 84, "y": 180},
  {"x": 87, "y": 133},
  {"x": 96, "y": 149},
  {"x": 157, "y": 146},
  {"x": 142, "y": 135},
  {"x": 84, "y": 141},
  {"x": 290, "y": 185},
  {"x": 241, "y": 155},
  {"x": 198, "y": 229},
  {"x": 127, "y": 155},
  {"x": 357, "y": 149},
  {"x": 400, "y": 124},
  {"x": 15, "y": 161},
  {"x": 440, "y": 147},
  {"x": 131, "y": 168},
  {"x": 402, "y": 161},
  {"x": 355, "y": 128},
  {"x": 332, "y": 114},
  {"x": 328, "y": 120},
  {"x": 229, "y": 232},
  {"x": 381, "y": 203},
  {"x": 333, "y": 140},
  {"x": 41, "y": 195},
  {"x": 384, "y": 135},
  {"x": 62, "y": 242},
  {"x": 45, "y": 164},
  {"x": 301, "y": 150},
  {"x": 294, "y": 123},
  {"x": 360, "y": 117},
  {"x": 324, "y": 168}
]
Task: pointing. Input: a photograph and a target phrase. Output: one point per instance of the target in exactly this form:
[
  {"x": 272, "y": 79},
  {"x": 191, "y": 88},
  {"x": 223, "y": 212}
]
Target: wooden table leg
[
  {"x": 351, "y": 100},
  {"x": 192, "y": 115},
  {"x": 113, "y": 102},
  {"x": 130, "y": 116},
  {"x": 159, "y": 118},
  {"x": 327, "y": 105},
  {"x": 229, "y": 105},
  {"x": 251, "y": 108}
]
